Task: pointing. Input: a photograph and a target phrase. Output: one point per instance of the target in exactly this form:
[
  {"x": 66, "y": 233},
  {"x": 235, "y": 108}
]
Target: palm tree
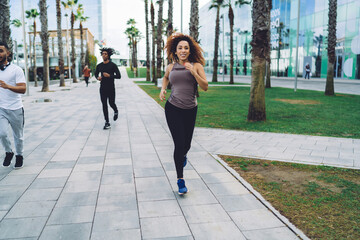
[
  {"x": 260, "y": 49},
  {"x": 170, "y": 19},
  {"x": 216, "y": 4},
  {"x": 81, "y": 18},
  {"x": 329, "y": 88},
  {"x": 318, "y": 40},
  {"x": 71, "y": 4},
  {"x": 134, "y": 35},
  {"x": 44, "y": 35},
  {"x": 5, "y": 32},
  {"x": 147, "y": 42},
  {"x": 32, "y": 14},
  {"x": 268, "y": 58},
  {"x": 194, "y": 20},
  {"x": 16, "y": 23},
  {"x": 159, "y": 39},
  {"x": 152, "y": 13},
  {"x": 60, "y": 44}
]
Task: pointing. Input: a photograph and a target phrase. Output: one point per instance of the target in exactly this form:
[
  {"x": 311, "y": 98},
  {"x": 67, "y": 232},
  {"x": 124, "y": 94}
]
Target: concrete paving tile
[
  {"x": 90, "y": 160},
  {"x": 145, "y": 189},
  {"x": 308, "y": 159},
  {"x": 31, "y": 209},
  {"x": 146, "y": 164},
  {"x": 164, "y": 208},
  {"x": 125, "y": 189},
  {"x": 55, "y": 173},
  {"x": 216, "y": 231},
  {"x": 232, "y": 188},
  {"x": 48, "y": 183},
  {"x": 77, "y": 199},
  {"x": 240, "y": 202},
  {"x": 255, "y": 219},
  {"x": 164, "y": 227},
  {"x": 117, "y": 179},
  {"x": 46, "y": 194},
  {"x": 196, "y": 198},
  {"x": 81, "y": 186},
  {"x": 280, "y": 155},
  {"x": 94, "y": 176},
  {"x": 17, "y": 180},
  {"x": 60, "y": 165},
  {"x": 117, "y": 161},
  {"x": 118, "y": 155},
  {"x": 338, "y": 162},
  {"x": 149, "y": 172},
  {"x": 2, "y": 214},
  {"x": 88, "y": 167},
  {"x": 32, "y": 170},
  {"x": 67, "y": 215},
  {"x": 118, "y": 169},
  {"x": 218, "y": 177},
  {"x": 205, "y": 213},
  {"x": 211, "y": 167},
  {"x": 80, "y": 231},
  {"x": 128, "y": 234},
  {"x": 325, "y": 154},
  {"x": 116, "y": 203},
  {"x": 116, "y": 220},
  {"x": 25, "y": 227},
  {"x": 271, "y": 234}
]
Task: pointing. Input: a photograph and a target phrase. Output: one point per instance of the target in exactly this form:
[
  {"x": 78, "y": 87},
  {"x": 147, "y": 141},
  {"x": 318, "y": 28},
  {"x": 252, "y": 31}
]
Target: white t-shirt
[{"x": 12, "y": 75}]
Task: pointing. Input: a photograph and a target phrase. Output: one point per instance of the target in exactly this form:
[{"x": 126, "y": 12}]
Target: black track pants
[
  {"x": 106, "y": 94},
  {"x": 181, "y": 123}
]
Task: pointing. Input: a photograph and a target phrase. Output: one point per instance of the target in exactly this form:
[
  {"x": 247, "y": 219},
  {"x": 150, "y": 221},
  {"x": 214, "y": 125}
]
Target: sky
[{"x": 117, "y": 12}]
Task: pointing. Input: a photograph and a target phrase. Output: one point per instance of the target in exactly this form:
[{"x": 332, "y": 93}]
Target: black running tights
[
  {"x": 181, "y": 123},
  {"x": 106, "y": 94}
]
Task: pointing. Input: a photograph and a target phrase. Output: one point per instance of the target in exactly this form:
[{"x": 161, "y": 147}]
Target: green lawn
[
  {"x": 304, "y": 112},
  {"x": 141, "y": 72}
]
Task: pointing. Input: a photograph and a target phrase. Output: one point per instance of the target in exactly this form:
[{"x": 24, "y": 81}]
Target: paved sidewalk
[{"x": 81, "y": 182}]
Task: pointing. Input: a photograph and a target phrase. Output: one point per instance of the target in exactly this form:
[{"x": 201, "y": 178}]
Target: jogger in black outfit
[
  {"x": 108, "y": 72},
  {"x": 185, "y": 73}
]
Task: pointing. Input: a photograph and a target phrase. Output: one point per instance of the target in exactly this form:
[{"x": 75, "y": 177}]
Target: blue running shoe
[
  {"x": 182, "y": 187},
  {"x": 185, "y": 160}
]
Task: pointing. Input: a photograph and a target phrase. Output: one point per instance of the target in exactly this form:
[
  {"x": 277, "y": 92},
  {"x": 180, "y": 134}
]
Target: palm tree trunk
[
  {"x": 231, "y": 18},
  {"x": 216, "y": 48},
  {"x": 159, "y": 38},
  {"x": 82, "y": 53},
  {"x": 329, "y": 88},
  {"x": 31, "y": 59},
  {"x": 152, "y": 12},
  {"x": 44, "y": 43},
  {"x": 147, "y": 42},
  {"x": 34, "y": 48},
  {"x": 268, "y": 57},
  {"x": 73, "y": 53},
  {"x": 260, "y": 48},
  {"x": 194, "y": 20},
  {"x": 60, "y": 44},
  {"x": 170, "y": 19},
  {"x": 5, "y": 32}
]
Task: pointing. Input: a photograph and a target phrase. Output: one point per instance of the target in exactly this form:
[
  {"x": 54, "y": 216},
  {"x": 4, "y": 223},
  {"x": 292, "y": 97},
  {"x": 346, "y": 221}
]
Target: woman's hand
[
  {"x": 162, "y": 94},
  {"x": 190, "y": 67}
]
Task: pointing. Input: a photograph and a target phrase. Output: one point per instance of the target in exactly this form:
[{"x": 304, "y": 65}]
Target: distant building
[{"x": 312, "y": 38}]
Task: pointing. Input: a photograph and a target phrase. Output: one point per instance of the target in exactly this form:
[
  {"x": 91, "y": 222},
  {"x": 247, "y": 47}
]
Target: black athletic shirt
[{"x": 110, "y": 68}]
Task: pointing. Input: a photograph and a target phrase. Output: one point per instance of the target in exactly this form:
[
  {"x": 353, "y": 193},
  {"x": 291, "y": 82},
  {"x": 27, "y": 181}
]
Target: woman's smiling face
[{"x": 183, "y": 51}]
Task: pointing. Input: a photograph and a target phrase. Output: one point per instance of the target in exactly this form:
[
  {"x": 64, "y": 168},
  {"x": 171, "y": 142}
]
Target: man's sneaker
[
  {"x": 107, "y": 125},
  {"x": 116, "y": 115},
  {"x": 19, "y": 162},
  {"x": 185, "y": 160},
  {"x": 182, "y": 187},
  {"x": 7, "y": 159}
]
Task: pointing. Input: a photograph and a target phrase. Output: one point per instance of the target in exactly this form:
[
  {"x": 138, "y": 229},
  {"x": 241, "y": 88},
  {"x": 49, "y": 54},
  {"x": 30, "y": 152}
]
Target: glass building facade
[{"x": 284, "y": 16}]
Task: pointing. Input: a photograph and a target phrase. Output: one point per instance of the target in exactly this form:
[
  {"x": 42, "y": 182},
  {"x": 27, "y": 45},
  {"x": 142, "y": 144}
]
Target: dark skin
[
  {"x": 106, "y": 60},
  {"x": 19, "y": 87}
]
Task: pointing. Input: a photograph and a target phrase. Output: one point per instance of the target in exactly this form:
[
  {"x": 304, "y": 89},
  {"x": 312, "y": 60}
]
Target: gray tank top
[{"x": 182, "y": 87}]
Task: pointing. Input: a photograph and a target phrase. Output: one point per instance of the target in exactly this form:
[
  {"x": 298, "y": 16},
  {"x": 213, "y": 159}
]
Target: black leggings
[
  {"x": 104, "y": 95},
  {"x": 181, "y": 123}
]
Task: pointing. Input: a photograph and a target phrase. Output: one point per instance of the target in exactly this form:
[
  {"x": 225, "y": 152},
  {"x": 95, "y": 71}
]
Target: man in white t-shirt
[{"x": 12, "y": 84}]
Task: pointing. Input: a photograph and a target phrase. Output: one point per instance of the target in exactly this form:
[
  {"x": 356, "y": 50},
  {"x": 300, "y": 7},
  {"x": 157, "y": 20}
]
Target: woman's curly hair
[{"x": 196, "y": 53}]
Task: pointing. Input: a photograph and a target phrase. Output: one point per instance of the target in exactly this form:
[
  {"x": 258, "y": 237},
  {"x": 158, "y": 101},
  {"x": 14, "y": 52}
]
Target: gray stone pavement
[{"x": 81, "y": 182}]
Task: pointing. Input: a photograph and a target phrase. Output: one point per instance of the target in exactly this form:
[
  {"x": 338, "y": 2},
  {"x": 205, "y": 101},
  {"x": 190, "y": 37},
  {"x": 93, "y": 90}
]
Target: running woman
[
  {"x": 106, "y": 72},
  {"x": 185, "y": 73}
]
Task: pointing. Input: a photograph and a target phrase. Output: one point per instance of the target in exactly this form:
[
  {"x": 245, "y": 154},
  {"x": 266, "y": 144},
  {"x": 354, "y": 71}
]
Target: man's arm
[
  {"x": 97, "y": 71},
  {"x": 117, "y": 74},
  {"x": 19, "y": 88}
]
